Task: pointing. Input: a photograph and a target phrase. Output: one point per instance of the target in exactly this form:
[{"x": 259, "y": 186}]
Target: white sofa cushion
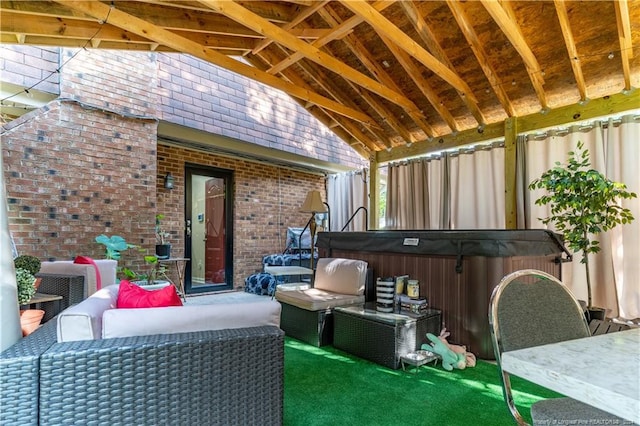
[
  {"x": 107, "y": 268},
  {"x": 84, "y": 320},
  {"x": 97, "y": 317},
  {"x": 183, "y": 319},
  {"x": 345, "y": 276}
]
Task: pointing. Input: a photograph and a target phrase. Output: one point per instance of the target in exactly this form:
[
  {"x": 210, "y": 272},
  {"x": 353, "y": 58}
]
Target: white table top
[
  {"x": 602, "y": 371},
  {"x": 287, "y": 270}
]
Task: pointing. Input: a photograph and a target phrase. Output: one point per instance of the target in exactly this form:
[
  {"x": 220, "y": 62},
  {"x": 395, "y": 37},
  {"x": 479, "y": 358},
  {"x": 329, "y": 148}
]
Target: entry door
[{"x": 209, "y": 229}]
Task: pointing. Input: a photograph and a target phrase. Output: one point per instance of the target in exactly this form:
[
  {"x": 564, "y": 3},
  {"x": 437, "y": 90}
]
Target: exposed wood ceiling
[{"x": 382, "y": 74}]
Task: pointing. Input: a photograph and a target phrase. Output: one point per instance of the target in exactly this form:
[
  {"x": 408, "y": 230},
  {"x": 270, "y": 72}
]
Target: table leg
[{"x": 180, "y": 268}]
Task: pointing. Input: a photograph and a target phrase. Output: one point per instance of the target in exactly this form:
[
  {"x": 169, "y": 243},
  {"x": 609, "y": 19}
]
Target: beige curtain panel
[{"x": 615, "y": 151}]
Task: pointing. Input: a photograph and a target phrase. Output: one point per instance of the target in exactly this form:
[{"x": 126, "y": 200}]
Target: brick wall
[
  {"x": 86, "y": 164},
  {"x": 28, "y": 65},
  {"x": 89, "y": 164},
  {"x": 266, "y": 201},
  {"x": 116, "y": 81},
  {"x": 72, "y": 174}
]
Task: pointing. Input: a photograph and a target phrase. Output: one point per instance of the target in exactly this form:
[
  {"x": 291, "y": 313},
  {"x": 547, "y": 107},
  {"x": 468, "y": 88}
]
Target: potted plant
[
  {"x": 29, "y": 318},
  {"x": 583, "y": 204},
  {"x": 29, "y": 263},
  {"x": 163, "y": 248}
]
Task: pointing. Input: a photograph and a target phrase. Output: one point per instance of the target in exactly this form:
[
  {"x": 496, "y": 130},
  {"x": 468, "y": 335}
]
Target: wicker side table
[{"x": 382, "y": 337}]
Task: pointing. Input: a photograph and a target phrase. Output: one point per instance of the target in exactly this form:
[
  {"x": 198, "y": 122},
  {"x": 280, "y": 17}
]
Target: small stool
[{"x": 262, "y": 284}]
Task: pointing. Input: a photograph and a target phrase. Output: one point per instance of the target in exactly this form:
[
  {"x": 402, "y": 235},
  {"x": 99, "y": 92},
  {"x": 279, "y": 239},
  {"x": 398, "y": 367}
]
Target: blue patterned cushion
[
  {"x": 261, "y": 284},
  {"x": 287, "y": 259}
]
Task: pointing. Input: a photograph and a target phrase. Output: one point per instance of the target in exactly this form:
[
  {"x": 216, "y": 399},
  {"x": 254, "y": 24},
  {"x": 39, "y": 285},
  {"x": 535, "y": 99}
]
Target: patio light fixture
[{"x": 168, "y": 181}]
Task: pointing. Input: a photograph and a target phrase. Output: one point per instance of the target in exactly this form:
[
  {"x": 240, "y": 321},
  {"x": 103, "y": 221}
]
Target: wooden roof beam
[
  {"x": 308, "y": 11},
  {"x": 138, "y": 26},
  {"x": 238, "y": 13},
  {"x": 477, "y": 48},
  {"x": 11, "y": 22},
  {"x": 624, "y": 34},
  {"x": 383, "y": 26},
  {"x": 328, "y": 118},
  {"x": 563, "y": 18},
  {"x": 337, "y": 33},
  {"x": 334, "y": 20},
  {"x": 429, "y": 39},
  {"x": 158, "y": 15},
  {"x": 421, "y": 83},
  {"x": 327, "y": 84},
  {"x": 511, "y": 30}
]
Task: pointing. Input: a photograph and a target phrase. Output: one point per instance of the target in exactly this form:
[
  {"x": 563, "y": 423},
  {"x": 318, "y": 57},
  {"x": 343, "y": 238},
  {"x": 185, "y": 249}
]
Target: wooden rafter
[
  {"x": 352, "y": 128},
  {"x": 332, "y": 18},
  {"x": 423, "y": 85},
  {"x": 624, "y": 34},
  {"x": 476, "y": 46},
  {"x": 11, "y": 22},
  {"x": 238, "y": 13},
  {"x": 429, "y": 39},
  {"x": 121, "y": 19},
  {"x": 510, "y": 29},
  {"x": 308, "y": 11},
  {"x": 563, "y": 18},
  {"x": 337, "y": 33},
  {"x": 331, "y": 120},
  {"x": 383, "y": 26},
  {"x": 370, "y": 98},
  {"x": 320, "y": 77}
]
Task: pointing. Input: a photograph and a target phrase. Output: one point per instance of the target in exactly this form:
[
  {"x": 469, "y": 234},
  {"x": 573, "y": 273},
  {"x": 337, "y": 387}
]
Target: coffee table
[{"x": 382, "y": 337}]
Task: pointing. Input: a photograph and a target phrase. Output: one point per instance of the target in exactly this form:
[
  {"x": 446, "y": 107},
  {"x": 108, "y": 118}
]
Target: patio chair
[
  {"x": 307, "y": 313},
  {"x": 532, "y": 308}
]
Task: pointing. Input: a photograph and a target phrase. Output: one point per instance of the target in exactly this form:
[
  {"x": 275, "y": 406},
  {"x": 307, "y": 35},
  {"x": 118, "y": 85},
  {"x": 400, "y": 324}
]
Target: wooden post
[
  {"x": 374, "y": 188},
  {"x": 510, "y": 137}
]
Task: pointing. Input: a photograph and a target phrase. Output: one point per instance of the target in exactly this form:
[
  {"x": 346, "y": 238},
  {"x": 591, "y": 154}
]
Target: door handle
[{"x": 188, "y": 228}]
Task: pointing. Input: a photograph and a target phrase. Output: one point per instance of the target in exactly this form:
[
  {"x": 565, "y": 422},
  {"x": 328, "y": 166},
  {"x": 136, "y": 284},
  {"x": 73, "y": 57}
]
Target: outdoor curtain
[
  {"x": 614, "y": 150},
  {"x": 346, "y": 193},
  {"x": 445, "y": 193}
]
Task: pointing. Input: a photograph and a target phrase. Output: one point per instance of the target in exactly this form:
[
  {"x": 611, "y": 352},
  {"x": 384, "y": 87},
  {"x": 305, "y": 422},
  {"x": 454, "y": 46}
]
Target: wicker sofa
[{"x": 202, "y": 377}]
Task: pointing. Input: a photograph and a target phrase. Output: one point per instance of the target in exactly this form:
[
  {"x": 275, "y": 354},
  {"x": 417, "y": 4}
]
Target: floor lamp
[{"x": 313, "y": 204}]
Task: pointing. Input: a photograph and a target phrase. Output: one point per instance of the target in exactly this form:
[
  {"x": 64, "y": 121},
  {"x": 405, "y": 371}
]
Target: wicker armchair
[{"x": 203, "y": 378}]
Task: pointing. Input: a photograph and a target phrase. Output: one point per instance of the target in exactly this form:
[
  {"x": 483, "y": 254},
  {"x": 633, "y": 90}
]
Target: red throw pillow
[{"x": 134, "y": 296}]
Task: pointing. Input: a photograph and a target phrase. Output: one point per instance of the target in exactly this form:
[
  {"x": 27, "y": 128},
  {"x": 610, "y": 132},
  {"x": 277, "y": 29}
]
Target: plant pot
[
  {"x": 163, "y": 251},
  {"x": 37, "y": 282},
  {"x": 30, "y": 320}
]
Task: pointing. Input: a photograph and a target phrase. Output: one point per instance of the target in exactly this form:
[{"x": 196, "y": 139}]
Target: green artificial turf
[{"x": 325, "y": 386}]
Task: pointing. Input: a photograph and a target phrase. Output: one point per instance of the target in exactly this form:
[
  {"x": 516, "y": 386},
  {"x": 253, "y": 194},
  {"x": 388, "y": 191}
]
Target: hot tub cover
[{"x": 488, "y": 243}]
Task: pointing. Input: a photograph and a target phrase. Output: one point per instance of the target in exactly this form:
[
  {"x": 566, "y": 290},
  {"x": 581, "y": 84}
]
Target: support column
[
  {"x": 510, "y": 206},
  {"x": 374, "y": 191}
]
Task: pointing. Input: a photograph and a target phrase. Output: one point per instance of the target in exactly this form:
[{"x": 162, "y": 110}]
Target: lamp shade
[{"x": 313, "y": 203}]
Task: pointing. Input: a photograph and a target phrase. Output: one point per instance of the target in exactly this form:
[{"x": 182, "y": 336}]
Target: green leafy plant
[
  {"x": 114, "y": 245},
  {"x": 28, "y": 262},
  {"x": 583, "y": 204},
  {"x": 26, "y": 285}
]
